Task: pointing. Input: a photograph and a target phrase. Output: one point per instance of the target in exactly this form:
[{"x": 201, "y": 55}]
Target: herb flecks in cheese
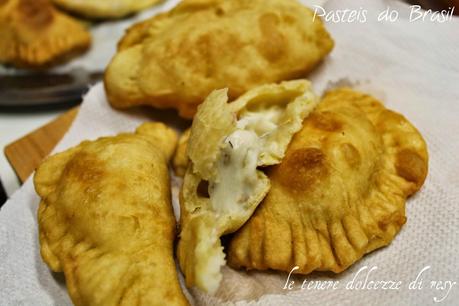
[
  {"x": 237, "y": 172},
  {"x": 228, "y": 143},
  {"x": 237, "y": 166}
]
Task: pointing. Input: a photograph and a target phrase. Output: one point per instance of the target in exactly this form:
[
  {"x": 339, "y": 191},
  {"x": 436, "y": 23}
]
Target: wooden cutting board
[{"x": 26, "y": 153}]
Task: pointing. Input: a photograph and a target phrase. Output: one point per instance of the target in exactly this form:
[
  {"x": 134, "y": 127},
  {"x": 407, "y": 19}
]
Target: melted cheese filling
[
  {"x": 237, "y": 166},
  {"x": 261, "y": 122}
]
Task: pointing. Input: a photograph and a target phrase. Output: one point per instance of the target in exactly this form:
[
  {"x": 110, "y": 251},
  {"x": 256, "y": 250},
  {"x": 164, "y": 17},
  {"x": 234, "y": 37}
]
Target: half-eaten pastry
[{"x": 223, "y": 185}]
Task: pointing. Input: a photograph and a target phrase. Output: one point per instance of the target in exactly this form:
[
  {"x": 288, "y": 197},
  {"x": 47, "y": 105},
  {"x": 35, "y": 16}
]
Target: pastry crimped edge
[
  {"x": 335, "y": 243},
  {"x": 61, "y": 256}
]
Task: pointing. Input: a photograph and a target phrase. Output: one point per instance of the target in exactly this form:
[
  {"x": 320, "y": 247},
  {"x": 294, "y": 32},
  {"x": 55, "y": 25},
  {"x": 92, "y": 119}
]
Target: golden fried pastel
[
  {"x": 104, "y": 8},
  {"x": 340, "y": 191},
  {"x": 223, "y": 185},
  {"x": 35, "y": 35},
  {"x": 180, "y": 160},
  {"x": 175, "y": 59},
  {"x": 106, "y": 220}
]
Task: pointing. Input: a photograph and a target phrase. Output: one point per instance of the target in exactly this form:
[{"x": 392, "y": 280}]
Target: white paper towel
[{"x": 414, "y": 68}]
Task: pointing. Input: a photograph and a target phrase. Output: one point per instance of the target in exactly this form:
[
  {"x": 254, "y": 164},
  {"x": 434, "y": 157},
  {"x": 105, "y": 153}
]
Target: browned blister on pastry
[
  {"x": 222, "y": 184},
  {"x": 175, "y": 59},
  {"x": 106, "y": 220},
  {"x": 340, "y": 191},
  {"x": 34, "y": 34}
]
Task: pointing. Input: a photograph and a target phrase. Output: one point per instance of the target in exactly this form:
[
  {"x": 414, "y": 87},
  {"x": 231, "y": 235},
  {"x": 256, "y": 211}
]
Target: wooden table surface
[{"x": 26, "y": 153}]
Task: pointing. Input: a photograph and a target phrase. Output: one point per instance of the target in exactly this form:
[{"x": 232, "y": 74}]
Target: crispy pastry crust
[
  {"x": 175, "y": 59},
  {"x": 106, "y": 220},
  {"x": 102, "y": 9},
  {"x": 340, "y": 191},
  {"x": 180, "y": 161},
  {"x": 33, "y": 34}
]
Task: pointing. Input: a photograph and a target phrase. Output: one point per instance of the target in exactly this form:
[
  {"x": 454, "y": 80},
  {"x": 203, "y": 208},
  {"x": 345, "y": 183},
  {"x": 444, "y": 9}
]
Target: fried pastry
[
  {"x": 106, "y": 220},
  {"x": 104, "y": 8},
  {"x": 180, "y": 161},
  {"x": 340, "y": 191},
  {"x": 175, "y": 59},
  {"x": 33, "y": 34},
  {"x": 222, "y": 185}
]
